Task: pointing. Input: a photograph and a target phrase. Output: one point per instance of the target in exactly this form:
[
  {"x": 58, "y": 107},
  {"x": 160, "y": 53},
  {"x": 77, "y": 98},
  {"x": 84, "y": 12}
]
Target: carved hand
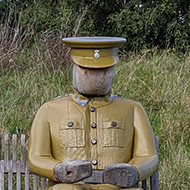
[
  {"x": 72, "y": 171},
  {"x": 123, "y": 175}
]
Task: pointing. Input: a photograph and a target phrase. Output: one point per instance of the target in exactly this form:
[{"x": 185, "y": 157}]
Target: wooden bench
[{"x": 14, "y": 172}]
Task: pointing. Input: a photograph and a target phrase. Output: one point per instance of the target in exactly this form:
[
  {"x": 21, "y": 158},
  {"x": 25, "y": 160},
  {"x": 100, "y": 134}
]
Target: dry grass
[{"x": 161, "y": 82}]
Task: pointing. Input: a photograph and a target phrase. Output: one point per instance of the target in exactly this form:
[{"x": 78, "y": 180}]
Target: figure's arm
[
  {"x": 40, "y": 157},
  {"x": 145, "y": 158}
]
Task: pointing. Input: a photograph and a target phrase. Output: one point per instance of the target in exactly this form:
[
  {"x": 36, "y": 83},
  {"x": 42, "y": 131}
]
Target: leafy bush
[
  {"x": 145, "y": 24},
  {"x": 160, "y": 23}
]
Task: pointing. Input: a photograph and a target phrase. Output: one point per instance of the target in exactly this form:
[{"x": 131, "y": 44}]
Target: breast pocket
[
  {"x": 113, "y": 133},
  {"x": 72, "y": 133}
]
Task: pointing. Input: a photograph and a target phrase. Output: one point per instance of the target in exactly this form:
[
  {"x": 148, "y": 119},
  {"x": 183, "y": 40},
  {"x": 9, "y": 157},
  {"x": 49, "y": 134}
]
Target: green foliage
[
  {"x": 97, "y": 17},
  {"x": 23, "y": 92},
  {"x": 145, "y": 24},
  {"x": 9, "y": 6},
  {"x": 160, "y": 23},
  {"x": 45, "y": 15}
]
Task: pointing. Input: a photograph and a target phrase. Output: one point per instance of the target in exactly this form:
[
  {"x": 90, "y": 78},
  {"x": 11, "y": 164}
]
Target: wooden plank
[
  {"x": 18, "y": 177},
  {"x": 27, "y": 178},
  {"x": 23, "y": 152},
  {"x": 6, "y": 147},
  {"x": 144, "y": 184},
  {"x": 15, "y": 166},
  {"x": 10, "y": 176},
  {"x": 35, "y": 182},
  {"x": 6, "y": 152},
  {"x": 154, "y": 181},
  {"x": 43, "y": 183},
  {"x": 14, "y": 152},
  {"x": 6, "y": 166},
  {"x": 14, "y": 139},
  {"x": 0, "y": 147},
  {"x": 2, "y": 177}
]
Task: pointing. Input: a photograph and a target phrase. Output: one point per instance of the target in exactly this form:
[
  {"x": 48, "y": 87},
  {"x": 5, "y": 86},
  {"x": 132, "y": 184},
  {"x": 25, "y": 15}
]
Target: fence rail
[{"x": 14, "y": 172}]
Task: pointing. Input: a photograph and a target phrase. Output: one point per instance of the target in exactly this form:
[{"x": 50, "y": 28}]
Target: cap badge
[{"x": 97, "y": 54}]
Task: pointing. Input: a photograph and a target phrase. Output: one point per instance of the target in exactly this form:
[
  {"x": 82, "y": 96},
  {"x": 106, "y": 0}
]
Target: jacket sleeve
[
  {"x": 145, "y": 157},
  {"x": 40, "y": 158}
]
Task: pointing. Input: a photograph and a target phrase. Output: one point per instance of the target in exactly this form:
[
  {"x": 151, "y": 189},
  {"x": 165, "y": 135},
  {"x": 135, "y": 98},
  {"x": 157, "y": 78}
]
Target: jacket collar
[{"x": 94, "y": 101}]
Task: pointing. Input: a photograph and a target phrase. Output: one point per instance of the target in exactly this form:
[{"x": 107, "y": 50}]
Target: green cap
[{"x": 94, "y": 52}]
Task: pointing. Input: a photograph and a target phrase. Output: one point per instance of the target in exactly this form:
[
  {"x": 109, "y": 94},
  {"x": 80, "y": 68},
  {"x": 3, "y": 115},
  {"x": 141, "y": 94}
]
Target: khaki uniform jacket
[{"x": 103, "y": 130}]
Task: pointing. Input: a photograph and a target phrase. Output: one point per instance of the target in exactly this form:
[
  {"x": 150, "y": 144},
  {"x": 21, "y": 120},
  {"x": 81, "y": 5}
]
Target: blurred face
[{"x": 92, "y": 82}]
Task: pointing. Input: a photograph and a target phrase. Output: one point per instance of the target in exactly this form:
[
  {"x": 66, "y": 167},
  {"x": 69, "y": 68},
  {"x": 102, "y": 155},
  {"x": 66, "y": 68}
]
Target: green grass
[
  {"x": 161, "y": 82},
  {"x": 158, "y": 79},
  {"x": 22, "y": 94}
]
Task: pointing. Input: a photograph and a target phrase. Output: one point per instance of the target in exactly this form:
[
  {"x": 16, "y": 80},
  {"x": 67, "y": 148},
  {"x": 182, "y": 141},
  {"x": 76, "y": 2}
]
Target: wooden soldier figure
[{"x": 91, "y": 139}]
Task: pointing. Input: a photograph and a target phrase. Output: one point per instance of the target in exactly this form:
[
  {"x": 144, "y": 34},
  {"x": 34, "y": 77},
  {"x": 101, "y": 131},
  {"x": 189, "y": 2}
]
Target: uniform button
[
  {"x": 94, "y": 162},
  {"x": 113, "y": 124},
  {"x": 93, "y": 141},
  {"x": 92, "y": 109},
  {"x": 93, "y": 125},
  {"x": 70, "y": 124}
]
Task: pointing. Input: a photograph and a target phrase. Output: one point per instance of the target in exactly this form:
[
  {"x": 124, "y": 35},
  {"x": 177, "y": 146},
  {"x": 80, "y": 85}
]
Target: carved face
[{"x": 92, "y": 82}]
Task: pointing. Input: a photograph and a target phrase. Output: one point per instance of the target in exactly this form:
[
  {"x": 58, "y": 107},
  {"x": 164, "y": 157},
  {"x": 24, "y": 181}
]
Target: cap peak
[{"x": 94, "y": 42}]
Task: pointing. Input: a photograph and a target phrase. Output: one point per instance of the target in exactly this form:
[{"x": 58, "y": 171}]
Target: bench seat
[{"x": 14, "y": 172}]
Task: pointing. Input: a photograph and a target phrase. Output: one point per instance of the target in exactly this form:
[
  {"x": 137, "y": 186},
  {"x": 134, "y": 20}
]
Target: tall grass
[
  {"x": 161, "y": 82},
  {"x": 33, "y": 73}
]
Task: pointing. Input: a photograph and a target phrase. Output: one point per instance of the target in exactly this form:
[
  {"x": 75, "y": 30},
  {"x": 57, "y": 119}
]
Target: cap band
[{"x": 95, "y": 58}]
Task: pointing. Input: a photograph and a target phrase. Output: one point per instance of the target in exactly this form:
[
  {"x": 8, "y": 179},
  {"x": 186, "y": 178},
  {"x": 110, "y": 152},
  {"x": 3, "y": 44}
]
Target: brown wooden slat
[
  {"x": 6, "y": 152},
  {"x": 18, "y": 167},
  {"x": 144, "y": 184},
  {"x": 23, "y": 147},
  {"x": 35, "y": 182},
  {"x": 18, "y": 177},
  {"x": 6, "y": 147},
  {"x": 43, "y": 183},
  {"x": 10, "y": 176},
  {"x": 27, "y": 178},
  {"x": 1, "y": 147},
  {"x": 14, "y": 152},
  {"x": 2, "y": 177},
  {"x": 23, "y": 152},
  {"x": 154, "y": 181},
  {"x": 14, "y": 139},
  {"x": 13, "y": 167}
]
